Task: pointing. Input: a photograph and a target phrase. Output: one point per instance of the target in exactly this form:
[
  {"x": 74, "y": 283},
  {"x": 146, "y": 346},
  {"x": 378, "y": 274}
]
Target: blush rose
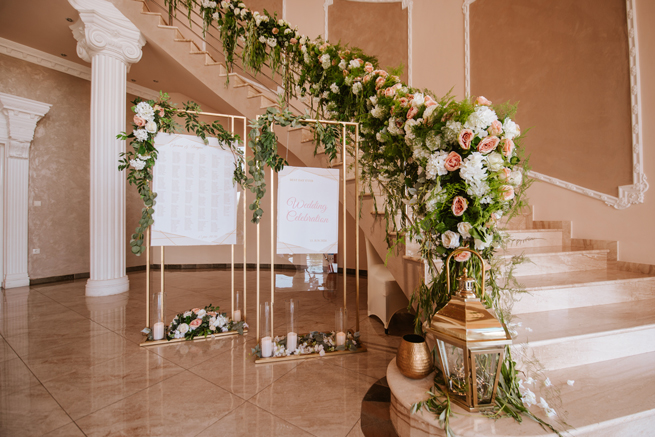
[
  {"x": 463, "y": 256},
  {"x": 460, "y": 204},
  {"x": 453, "y": 161},
  {"x": 488, "y": 144},
  {"x": 464, "y": 138},
  {"x": 508, "y": 147}
]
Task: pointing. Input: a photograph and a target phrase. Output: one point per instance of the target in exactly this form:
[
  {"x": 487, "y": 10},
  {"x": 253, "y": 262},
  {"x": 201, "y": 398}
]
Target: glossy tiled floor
[{"x": 72, "y": 365}]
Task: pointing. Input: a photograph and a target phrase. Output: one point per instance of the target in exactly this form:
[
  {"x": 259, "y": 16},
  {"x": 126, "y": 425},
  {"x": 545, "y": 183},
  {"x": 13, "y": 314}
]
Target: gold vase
[{"x": 414, "y": 359}]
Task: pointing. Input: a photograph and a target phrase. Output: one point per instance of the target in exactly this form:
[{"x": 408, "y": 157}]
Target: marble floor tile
[
  {"x": 236, "y": 372},
  {"x": 70, "y": 430},
  {"x": 15, "y": 376},
  {"x": 89, "y": 389},
  {"x": 188, "y": 354},
  {"x": 183, "y": 405},
  {"x": 319, "y": 397},
  {"x": 372, "y": 363},
  {"x": 357, "y": 430},
  {"x": 6, "y": 352},
  {"x": 249, "y": 420},
  {"x": 30, "y": 412}
]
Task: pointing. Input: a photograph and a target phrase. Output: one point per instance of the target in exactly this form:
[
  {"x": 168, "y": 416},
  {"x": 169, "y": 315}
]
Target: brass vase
[{"x": 414, "y": 359}]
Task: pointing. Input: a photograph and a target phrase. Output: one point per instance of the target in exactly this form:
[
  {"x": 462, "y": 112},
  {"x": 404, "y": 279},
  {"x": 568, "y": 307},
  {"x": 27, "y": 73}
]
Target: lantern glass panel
[
  {"x": 454, "y": 368},
  {"x": 486, "y": 367}
]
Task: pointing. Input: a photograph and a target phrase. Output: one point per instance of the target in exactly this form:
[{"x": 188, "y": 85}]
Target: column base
[
  {"x": 13, "y": 280},
  {"x": 107, "y": 287}
]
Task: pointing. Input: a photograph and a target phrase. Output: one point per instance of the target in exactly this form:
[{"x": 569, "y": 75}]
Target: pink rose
[
  {"x": 488, "y": 144},
  {"x": 508, "y": 147},
  {"x": 381, "y": 73},
  {"x": 411, "y": 113},
  {"x": 464, "y": 138},
  {"x": 196, "y": 310},
  {"x": 496, "y": 128},
  {"x": 429, "y": 101},
  {"x": 399, "y": 123},
  {"x": 459, "y": 205},
  {"x": 345, "y": 73},
  {"x": 403, "y": 101},
  {"x": 366, "y": 78},
  {"x": 463, "y": 256},
  {"x": 481, "y": 100},
  {"x": 275, "y": 31},
  {"x": 195, "y": 323},
  {"x": 212, "y": 313},
  {"x": 368, "y": 67},
  {"x": 139, "y": 121},
  {"x": 293, "y": 41},
  {"x": 504, "y": 174},
  {"x": 379, "y": 82},
  {"x": 323, "y": 47},
  {"x": 453, "y": 161},
  {"x": 506, "y": 192},
  {"x": 391, "y": 91}
]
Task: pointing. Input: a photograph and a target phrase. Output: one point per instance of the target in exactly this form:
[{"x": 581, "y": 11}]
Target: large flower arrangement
[
  {"x": 449, "y": 170},
  {"x": 202, "y": 323}
]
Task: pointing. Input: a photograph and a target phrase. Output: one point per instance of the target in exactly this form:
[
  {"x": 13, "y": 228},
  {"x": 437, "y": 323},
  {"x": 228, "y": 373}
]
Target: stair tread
[
  {"x": 558, "y": 325},
  {"x": 581, "y": 278},
  {"x": 548, "y": 250},
  {"x": 602, "y": 392}
]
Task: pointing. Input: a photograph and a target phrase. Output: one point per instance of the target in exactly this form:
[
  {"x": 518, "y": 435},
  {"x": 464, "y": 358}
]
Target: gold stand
[{"x": 148, "y": 241}]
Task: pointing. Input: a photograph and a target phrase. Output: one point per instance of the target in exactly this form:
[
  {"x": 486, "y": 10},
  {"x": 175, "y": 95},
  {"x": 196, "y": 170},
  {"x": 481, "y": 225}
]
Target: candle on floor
[
  {"x": 236, "y": 316},
  {"x": 267, "y": 347},
  {"x": 341, "y": 338},
  {"x": 292, "y": 341},
  {"x": 158, "y": 332}
]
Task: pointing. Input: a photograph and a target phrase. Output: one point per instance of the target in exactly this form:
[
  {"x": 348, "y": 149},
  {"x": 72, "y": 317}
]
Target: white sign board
[
  {"x": 196, "y": 199},
  {"x": 307, "y": 210}
]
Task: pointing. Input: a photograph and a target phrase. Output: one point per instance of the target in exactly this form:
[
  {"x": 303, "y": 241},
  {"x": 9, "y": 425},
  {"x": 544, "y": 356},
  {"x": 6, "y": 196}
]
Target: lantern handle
[{"x": 458, "y": 251}]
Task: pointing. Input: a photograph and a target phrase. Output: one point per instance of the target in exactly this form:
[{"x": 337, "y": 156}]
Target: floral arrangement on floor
[
  {"x": 202, "y": 323},
  {"x": 313, "y": 343},
  {"x": 449, "y": 170}
]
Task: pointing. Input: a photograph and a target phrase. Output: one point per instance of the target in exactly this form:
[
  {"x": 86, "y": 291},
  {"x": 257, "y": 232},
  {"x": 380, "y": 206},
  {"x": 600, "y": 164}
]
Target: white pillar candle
[
  {"x": 158, "y": 332},
  {"x": 341, "y": 338},
  {"x": 292, "y": 341},
  {"x": 236, "y": 316},
  {"x": 267, "y": 347}
]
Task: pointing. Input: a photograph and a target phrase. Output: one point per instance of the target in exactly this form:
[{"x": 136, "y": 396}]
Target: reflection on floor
[{"x": 72, "y": 365}]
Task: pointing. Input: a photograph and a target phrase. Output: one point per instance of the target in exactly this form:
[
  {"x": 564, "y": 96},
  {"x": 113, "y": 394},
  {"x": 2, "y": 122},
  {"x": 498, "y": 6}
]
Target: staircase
[{"x": 581, "y": 319}]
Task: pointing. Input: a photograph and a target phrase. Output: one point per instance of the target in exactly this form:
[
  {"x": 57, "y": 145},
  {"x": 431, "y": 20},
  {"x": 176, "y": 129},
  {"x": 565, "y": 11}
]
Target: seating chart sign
[
  {"x": 196, "y": 199},
  {"x": 307, "y": 210}
]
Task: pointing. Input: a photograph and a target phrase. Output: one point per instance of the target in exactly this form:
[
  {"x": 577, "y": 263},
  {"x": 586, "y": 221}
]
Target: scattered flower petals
[{"x": 570, "y": 382}]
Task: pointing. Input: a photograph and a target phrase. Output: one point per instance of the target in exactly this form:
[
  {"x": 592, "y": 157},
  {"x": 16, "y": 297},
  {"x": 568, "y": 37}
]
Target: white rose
[
  {"x": 281, "y": 22},
  {"x": 237, "y": 11},
  {"x": 418, "y": 100},
  {"x": 342, "y": 64},
  {"x": 428, "y": 111},
  {"x": 334, "y": 88},
  {"x": 303, "y": 40},
  {"x": 137, "y": 164},
  {"x": 224, "y": 4},
  {"x": 515, "y": 178},
  {"x": 325, "y": 61},
  {"x": 188, "y": 314},
  {"x": 357, "y": 88},
  {"x": 183, "y": 328},
  {"x": 215, "y": 16},
  {"x": 511, "y": 129},
  {"x": 151, "y": 127},
  {"x": 463, "y": 228},
  {"x": 201, "y": 314},
  {"x": 262, "y": 39},
  {"x": 145, "y": 111},
  {"x": 481, "y": 245},
  {"x": 354, "y": 63},
  {"x": 272, "y": 42},
  {"x": 450, "y": 239},
  {"x": 141, "y": 134},
  {"x": 495, "y": 161}
]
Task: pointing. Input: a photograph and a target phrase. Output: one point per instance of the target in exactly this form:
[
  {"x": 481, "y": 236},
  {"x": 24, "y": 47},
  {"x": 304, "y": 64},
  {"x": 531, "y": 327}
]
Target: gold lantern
[{"x": 470, "y": 343}]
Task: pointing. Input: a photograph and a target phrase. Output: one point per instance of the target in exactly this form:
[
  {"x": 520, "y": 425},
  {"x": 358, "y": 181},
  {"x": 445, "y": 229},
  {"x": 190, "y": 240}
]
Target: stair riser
[
  {"x": 577, "y": 352},
  {"x": 562, "y": 262},
  {"x": 535, "y": 239},
  {"x": 583, "y": 296},
  {"x": 641, "y": 424}
]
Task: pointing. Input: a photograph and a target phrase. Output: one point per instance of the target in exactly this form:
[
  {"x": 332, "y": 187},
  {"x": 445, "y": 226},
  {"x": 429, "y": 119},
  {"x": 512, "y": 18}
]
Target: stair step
[
  {"x": 557, "y": 259},
  {"x": 581, "y": 289},
  {"x": 535, "y": 237},
  {"x": 608, "y": 399},
  {"x": 574, "y": 337}
]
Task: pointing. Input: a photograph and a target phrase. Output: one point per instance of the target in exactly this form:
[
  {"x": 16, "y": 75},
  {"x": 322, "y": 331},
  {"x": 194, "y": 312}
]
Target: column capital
[
  {"x": 21, "y": 116},
  {"x": 103, "y": 29}
]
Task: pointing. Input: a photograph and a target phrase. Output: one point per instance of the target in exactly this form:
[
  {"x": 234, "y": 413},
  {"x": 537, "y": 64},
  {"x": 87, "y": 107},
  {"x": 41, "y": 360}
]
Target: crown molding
[
  {"x": 34, "y": 56},
  {"x": 628, "y": 194}
]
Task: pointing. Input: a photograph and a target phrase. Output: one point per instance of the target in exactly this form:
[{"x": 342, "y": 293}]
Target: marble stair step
[
  {"x": 523, "y": 238},
  {"x": 581, "y": 289},
  {"x": 608, "y": 399},
  {"x": 556, "y": 259},
  {"x": 574, "y": 337}
]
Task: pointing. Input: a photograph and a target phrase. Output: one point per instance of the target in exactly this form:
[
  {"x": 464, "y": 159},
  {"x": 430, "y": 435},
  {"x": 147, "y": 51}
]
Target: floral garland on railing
[{"x": 449, "y": 170}]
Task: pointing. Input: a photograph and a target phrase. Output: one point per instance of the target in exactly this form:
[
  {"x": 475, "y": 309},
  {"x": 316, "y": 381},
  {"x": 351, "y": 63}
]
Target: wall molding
[
  {"x": 406, "y": 4},
  {"x": 34, "y": 56},
  {"x": 628, "y": 194}
]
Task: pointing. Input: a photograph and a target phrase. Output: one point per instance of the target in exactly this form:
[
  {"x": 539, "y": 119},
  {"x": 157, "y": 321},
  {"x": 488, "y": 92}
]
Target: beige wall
[
  {"x": 567, "y": 63},
  {"x": 59, "y": 167},
  {"x": 632, "y": 227}
]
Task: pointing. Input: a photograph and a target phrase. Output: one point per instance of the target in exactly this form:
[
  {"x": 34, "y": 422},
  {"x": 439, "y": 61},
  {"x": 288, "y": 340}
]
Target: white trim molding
[
  {"x": 406, "y": 4},
  {"x": 20, "y": 117},
  {"x": 34, "y": 56},
  {"x": 628, "y": 194}
]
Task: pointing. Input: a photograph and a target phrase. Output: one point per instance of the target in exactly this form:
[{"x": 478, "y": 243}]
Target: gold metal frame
[
  {"x": 245, "y": 261},
  {"x": 344, "y": 132}
]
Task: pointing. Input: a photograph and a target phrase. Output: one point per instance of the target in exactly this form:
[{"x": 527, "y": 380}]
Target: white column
[
  {"x": 108, "y": 40},
  {"x": 19, "y": 118}
]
